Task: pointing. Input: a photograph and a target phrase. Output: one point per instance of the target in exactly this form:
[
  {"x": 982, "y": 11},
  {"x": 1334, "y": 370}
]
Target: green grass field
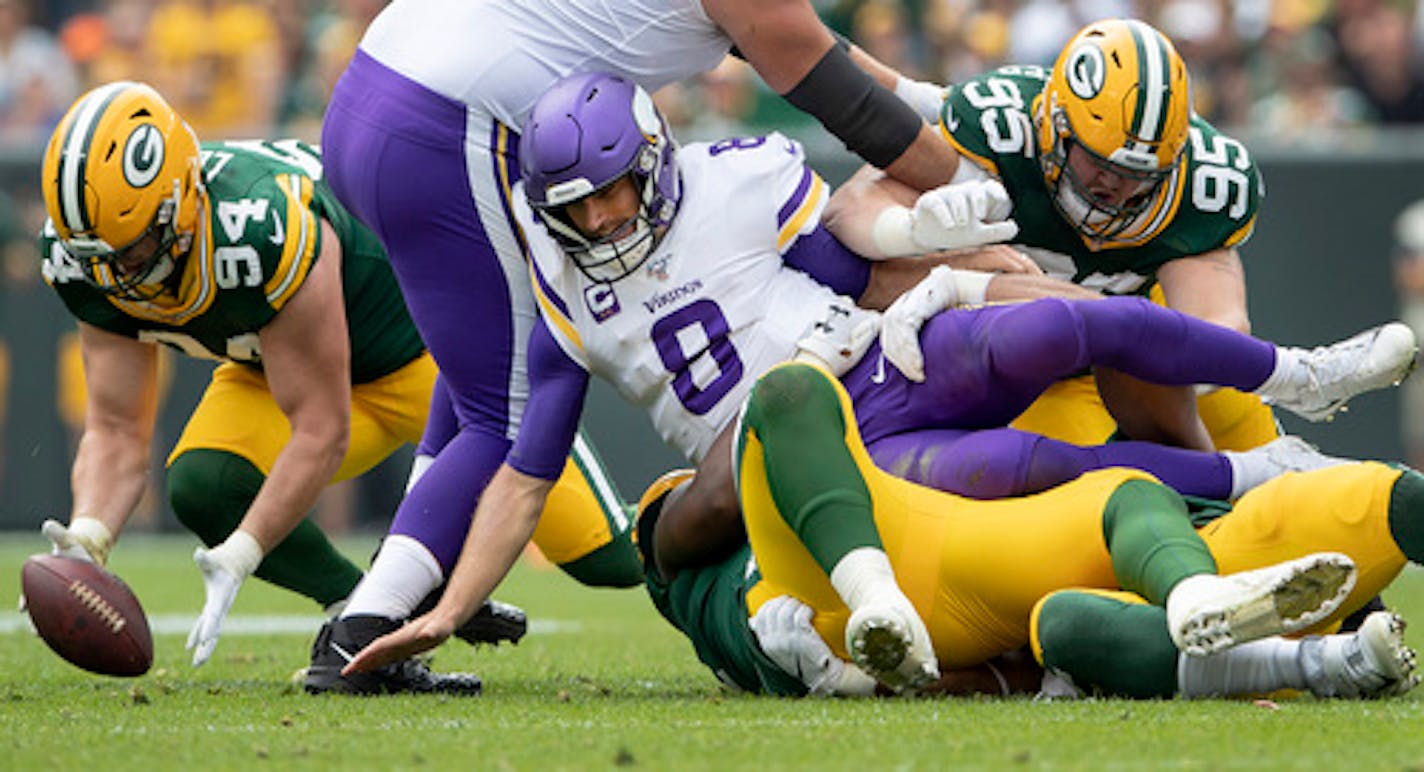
[{"x": 600, "y": 682}]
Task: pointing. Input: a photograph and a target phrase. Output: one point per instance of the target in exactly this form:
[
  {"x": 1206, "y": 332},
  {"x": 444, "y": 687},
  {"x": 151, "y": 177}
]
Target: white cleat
[
  {"x": 1209, "y": 613},
  {"x": 1376, "y": 358},
  {"x": 1370, "y": 663},
  {"x": 889, "y": 641},
  {"x": 1289, "y": 453}
]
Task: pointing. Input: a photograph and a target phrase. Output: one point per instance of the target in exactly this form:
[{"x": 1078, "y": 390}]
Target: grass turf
[{"x": 601, "y": 682}]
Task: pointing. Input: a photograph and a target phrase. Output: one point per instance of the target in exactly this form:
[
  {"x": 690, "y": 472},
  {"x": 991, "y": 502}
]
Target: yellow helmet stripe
[
  {"x": 1153, "y": 91},
  {"x": 74, "y": 156}
]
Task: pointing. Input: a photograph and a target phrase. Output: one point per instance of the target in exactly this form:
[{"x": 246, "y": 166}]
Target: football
[{"x": 87, "y": 615}]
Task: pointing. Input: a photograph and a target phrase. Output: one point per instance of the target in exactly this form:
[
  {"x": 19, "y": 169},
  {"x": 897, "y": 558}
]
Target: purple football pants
[
  {"x": 983, "y": 367},
  {"x": 417, "y": 169}
]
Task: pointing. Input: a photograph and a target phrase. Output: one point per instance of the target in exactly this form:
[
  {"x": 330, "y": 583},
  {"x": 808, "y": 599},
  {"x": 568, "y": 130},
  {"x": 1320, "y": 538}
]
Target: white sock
[
  {"x": 403, "y": 573},
  {"x": 1285, "y": 374},
  {"x": 418, "y": 467},
  {"x": 1248, "y": 470},
  {"x": 864, "y": 573},
  {"x": 1257, "y": 667}
]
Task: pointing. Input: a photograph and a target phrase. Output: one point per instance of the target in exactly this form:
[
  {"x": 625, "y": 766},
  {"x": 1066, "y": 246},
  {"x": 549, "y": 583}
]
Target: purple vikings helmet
[{"x": 583, "y": 134}]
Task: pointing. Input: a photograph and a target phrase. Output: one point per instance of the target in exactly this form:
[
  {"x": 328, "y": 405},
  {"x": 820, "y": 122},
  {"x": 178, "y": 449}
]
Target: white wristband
[
  {"x": 924, "y": 98},
  {"x": 94, "y": 536},
  {"x": 971, "y": 288},
  {"x": 239, "y": 553},
  {"x": 891, "y": 233}
]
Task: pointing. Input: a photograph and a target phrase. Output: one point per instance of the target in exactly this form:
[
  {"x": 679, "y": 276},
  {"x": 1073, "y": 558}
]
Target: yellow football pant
[
  {"x": 975, "y": 569},
  {"x": 237, "y": 414}
]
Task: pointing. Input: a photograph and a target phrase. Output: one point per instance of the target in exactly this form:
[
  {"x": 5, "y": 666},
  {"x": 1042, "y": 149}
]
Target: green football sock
[
  {"x": 210, "y": 491},
  {"x": 1151, "y": 540},
  {"x": 795, "y": 413},
  {"x": 1107, "y": 645},
  {"x": 1406, "y": 515}
]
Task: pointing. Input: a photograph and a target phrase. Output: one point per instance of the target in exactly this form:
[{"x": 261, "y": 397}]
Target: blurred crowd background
[{"x": 1299, "y": 77}]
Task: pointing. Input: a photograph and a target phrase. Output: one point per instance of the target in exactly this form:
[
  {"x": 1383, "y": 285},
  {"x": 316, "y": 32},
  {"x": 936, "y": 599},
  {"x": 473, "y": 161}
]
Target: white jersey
[
  {"x": 499, "y": 56},
  {"x": 714, "y": 306}
]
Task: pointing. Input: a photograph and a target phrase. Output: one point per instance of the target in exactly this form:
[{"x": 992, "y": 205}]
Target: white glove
[
  {"x": 83, "y": 539},
  {"x": 964, "y": 214},
  {"x": 783, "y": 630},
  {"x": 840, "y": 338},
  {"x": 941, "y": 289},
  {"x": 224, "y": 568},
  {"x": 954, "y": 216}
]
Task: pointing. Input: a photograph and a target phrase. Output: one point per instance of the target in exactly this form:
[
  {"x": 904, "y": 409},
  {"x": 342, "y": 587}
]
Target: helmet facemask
[
  {"x": 139, "y": 269},
  {"x": 1092, "y": 216}
]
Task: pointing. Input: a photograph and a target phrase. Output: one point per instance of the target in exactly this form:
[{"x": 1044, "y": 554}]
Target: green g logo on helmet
[
  {"x": 143, "y": 155},
  {"x": 1084, "y": 71}
]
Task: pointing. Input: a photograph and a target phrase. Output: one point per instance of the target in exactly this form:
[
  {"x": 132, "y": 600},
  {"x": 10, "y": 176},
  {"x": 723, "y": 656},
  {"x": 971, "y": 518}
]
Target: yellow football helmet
[
  {"x": 122, "y": 182},
  {"x": 1119, "y": 91}
]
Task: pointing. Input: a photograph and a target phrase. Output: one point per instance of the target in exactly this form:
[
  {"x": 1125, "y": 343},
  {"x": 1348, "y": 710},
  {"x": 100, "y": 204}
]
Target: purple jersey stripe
[{"x": 797, "y": 198}]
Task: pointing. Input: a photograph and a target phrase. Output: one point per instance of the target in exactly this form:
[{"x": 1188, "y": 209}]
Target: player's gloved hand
[
  {"x": 840, "y": 338},
  {"x": 224, "y": 568},
  {"x": 83, "y": 539},
  {"x": 941, "y": 289},
  {"x": 963, "y": 214},
  {"x": 783, "y": 630}
]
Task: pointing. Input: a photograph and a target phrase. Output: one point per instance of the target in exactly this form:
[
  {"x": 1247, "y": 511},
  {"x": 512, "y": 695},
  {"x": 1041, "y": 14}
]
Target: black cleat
[
  {"x": 494, "y": 623},
  {"x": 337, "y": 644}
]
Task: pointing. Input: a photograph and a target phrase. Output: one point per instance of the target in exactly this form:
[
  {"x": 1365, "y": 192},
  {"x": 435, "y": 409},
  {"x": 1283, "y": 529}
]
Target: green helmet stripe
[
  {"x": 1153, "y": 79},
  {"x": 74, "y": 155}
]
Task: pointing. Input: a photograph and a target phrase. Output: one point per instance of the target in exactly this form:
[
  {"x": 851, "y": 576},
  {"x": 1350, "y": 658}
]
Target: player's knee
[
  {"x": 1406, "y": 515},
  {"x": 1060, "y": 627},
  {"x": 615, "y": 564},
  {"x": 210, "y": 491},
  {"x": 788, "y": 394},
  {"x": 1047, "y": 336}
]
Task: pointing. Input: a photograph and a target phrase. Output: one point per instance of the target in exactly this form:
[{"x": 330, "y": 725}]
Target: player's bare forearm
[
  {"x": 109, "y": 476},
  {"x": 1210, "y": 286},
  {"x": 300, "y": 473},
  {"x": 111, "y": 463}
]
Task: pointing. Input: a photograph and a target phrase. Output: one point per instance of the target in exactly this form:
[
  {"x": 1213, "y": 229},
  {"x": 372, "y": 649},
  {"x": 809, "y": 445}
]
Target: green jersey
[
  {"x": 1209, "y": 201},
  {"x": 261, "y": 235},
  {"x": 709, "y": 606}
]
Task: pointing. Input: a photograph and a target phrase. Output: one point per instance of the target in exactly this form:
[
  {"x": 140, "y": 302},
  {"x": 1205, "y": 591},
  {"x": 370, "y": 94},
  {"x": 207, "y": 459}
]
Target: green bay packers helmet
[
  {"x": 1119, "y": 91},
  {"x": 122, "y": 182}
]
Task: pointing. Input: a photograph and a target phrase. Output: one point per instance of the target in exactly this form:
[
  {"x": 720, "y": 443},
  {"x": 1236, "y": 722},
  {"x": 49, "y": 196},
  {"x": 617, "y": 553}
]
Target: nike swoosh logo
[
  {"x": 346, "y": 655},
  {"x": 878, "y": 377}
]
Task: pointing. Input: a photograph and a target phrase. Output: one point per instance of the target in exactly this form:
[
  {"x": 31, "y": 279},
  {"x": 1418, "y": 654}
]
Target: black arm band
[{"x": 872, "y": 122}]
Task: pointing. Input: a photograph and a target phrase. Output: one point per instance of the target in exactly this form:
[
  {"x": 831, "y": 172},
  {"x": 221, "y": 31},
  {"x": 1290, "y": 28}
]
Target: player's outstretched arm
[
  {"x": 111, "y": 464},
  {"x": 307, "y": 361},
  {"x": 503, "y": 523}
]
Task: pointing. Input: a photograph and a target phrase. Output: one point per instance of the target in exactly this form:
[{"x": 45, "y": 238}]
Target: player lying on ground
[
  {"x": 989, "y": 576},
  {"x": 237, "y": 252},
  {"x": 632, "y": 290}
]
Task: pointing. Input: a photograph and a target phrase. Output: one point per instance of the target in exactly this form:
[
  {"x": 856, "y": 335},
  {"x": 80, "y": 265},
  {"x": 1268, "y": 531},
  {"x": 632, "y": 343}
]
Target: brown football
[{"x": 87, "y": 615}]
